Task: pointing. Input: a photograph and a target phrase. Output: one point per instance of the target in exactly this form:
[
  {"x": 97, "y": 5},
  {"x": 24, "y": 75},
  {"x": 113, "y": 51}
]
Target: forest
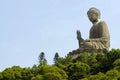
[{"x": 87, "y": 66}]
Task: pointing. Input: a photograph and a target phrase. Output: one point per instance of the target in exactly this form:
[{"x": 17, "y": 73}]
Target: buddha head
[{"x": 93, "y": 14}]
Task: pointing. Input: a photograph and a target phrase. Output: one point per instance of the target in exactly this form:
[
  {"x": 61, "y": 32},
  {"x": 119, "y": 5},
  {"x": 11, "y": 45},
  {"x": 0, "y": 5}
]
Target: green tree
[
  {"x": 42, "y": 60},
  {"x": 103, "y": 62},
  {"x": 84, "y": 57},
  {"x": 8, "y": 74},
  {"x": 93, "y": 63},
  {"x": 26, "y": 73},
  {"x": 38, "y": 77},
  {"x": 61, "y": 66},
  {"x": 116, "y": 64},
  {"x": 113, "y": 75},
  {"x": 34, "y": 66},
  {"x": 17, "y": 72},
  {"x": 78, "y": 70},
  {"x": 99, "y": 76},
  {"x": 56, "y": 57},
  {"x": 66, "y": 60},
  {"x": 1, "y": 76},
  {"x": 52, "y": 76},
  {"x": 113, "y": 55},
  {"x": 55, "y": 73},
  {"x": 50, "y": 72}
]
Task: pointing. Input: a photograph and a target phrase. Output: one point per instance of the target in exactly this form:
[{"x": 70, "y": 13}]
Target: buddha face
[{"x": 93, "y": 17}]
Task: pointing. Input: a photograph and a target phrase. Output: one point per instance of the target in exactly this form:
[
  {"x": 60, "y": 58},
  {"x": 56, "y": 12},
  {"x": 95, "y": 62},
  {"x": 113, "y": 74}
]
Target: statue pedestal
[{"x": 77, "y": 52}]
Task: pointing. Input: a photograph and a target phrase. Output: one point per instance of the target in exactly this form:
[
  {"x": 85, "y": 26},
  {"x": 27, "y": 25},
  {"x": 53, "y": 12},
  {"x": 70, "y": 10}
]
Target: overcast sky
[{"x": 29, "y": 27}]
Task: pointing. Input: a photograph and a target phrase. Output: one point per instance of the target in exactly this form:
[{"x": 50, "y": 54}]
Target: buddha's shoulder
[{"x": 102, "y": 23}]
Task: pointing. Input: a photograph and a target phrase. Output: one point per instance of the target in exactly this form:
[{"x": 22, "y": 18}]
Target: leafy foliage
[
  {"x": 56, "y": 57},
  {"x": 87, "y": 66},
  {"x": 42, "y": 60},
  {"x": 78, "y": 70}
]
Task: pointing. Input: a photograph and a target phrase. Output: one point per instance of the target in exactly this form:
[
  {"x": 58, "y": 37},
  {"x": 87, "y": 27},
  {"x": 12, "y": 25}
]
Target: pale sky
[{"x": 29, "y": 27}]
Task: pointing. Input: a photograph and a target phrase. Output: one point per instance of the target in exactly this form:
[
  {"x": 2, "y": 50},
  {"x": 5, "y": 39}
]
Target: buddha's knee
[{"x": 88, "y": 44}]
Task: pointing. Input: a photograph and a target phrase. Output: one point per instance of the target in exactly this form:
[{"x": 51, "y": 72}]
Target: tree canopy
[{"x": 87, "y": 66}]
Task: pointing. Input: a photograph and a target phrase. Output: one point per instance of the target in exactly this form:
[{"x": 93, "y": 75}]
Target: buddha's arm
[{"x": 103, "y": 31}]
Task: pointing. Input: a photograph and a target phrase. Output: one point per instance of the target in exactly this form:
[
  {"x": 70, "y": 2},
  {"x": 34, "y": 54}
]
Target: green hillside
[{"x": 88, "y": 66}]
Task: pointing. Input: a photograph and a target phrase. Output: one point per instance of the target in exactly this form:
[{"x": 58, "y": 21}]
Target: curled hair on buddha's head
[{"x": 95, "y": 11}]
